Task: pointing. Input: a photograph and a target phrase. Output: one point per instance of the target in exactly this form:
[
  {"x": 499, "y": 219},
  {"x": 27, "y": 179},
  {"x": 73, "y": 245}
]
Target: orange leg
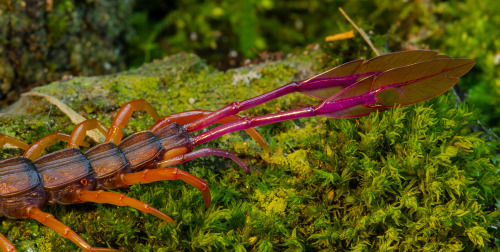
[
  {"x": 5, "y": 244},
  {"x": 13, "y": 141},
  {"x": 180, "y": 118},
  {"x": 80, "y": 131},
  {"x": 115, "y": 133},
  {"x": 35, "y": 149},
  {"x": 63, "y": 230},
  {"x": 189, "y": 116},
  {"x": 174, "y": 153},
  {"x": 148, "y": 176},
  {"x": 121, "y": 200}
]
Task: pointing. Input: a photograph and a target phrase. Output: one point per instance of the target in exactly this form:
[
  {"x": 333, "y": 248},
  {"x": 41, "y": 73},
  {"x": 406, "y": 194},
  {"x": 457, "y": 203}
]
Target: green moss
[{"x": 409, "y": 178}]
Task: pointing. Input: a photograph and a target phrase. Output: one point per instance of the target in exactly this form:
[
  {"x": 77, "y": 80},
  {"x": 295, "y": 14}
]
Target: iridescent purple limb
[
  {"x": 203, "y": 152},
  {"x": 402, "y": 86},
  {"x": 324, "y": 85},
  {"x": 306, "y": 86},
  {"x": 325, "y": 108}
]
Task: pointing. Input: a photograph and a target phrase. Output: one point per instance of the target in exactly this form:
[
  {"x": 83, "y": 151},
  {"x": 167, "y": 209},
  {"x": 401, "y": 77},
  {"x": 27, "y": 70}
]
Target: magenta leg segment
[
  {"x": 235, "y": 107},
  {"x": 426, "y": 65},
  {"x": 325, "y": 108},
  {"x": 303, "y": 86},
  {"x": 390, "y": 88},
  {"x": 327, "y": 84},
  {"x": 247, "y": 122},
  {"x": 203, "y": 152}
]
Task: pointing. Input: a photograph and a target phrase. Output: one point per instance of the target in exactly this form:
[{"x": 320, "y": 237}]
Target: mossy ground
[{"x": 413, "y": 178}]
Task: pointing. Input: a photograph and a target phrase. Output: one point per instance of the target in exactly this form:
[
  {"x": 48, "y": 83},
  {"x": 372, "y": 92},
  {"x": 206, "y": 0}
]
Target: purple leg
[
  {"x": 325, "y": 108},
  {"x": 335, "y": 84},
  {"x": 323, "y": 85},
  {"x": 399, "y": 86},
  {"x": 203, "y": 152}
]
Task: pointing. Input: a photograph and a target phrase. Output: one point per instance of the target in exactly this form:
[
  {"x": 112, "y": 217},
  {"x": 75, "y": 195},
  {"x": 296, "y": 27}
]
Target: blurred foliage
[
  {"x": 42, "y": 41},
  {"x": 221, "y": 29},
  {"x": 220, "y": 26},
  {"x": 470, "y": 29}
]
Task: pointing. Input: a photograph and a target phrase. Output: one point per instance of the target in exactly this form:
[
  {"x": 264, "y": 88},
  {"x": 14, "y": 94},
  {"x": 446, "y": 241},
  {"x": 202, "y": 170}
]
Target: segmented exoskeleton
[{"x": 70, "y": 176}]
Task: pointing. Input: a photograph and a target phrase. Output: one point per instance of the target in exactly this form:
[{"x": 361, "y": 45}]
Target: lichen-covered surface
[
  {"x": 41, "y": 41},
  {"x": 407, "y": 179}
]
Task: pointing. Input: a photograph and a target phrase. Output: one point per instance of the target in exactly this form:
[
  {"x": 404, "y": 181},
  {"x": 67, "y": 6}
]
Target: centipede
[{"x": 70, "y": 176}]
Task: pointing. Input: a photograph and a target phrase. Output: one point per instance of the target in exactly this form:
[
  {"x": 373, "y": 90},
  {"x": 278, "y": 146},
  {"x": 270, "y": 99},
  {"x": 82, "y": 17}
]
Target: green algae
[{"x": 408, "y": 178}]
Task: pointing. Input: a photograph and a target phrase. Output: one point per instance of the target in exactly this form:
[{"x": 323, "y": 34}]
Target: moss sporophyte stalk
[{"x": 411, "y": 177}]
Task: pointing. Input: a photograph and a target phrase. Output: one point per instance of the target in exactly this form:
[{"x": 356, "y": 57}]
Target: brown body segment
[
  {"x": 108, "y": 163},
  {"x": 173, "y": 136},
  {"x": 20, "y": 187},
  {"x": 64, "y": 172},
  {"x": 141, "y": 150}
]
